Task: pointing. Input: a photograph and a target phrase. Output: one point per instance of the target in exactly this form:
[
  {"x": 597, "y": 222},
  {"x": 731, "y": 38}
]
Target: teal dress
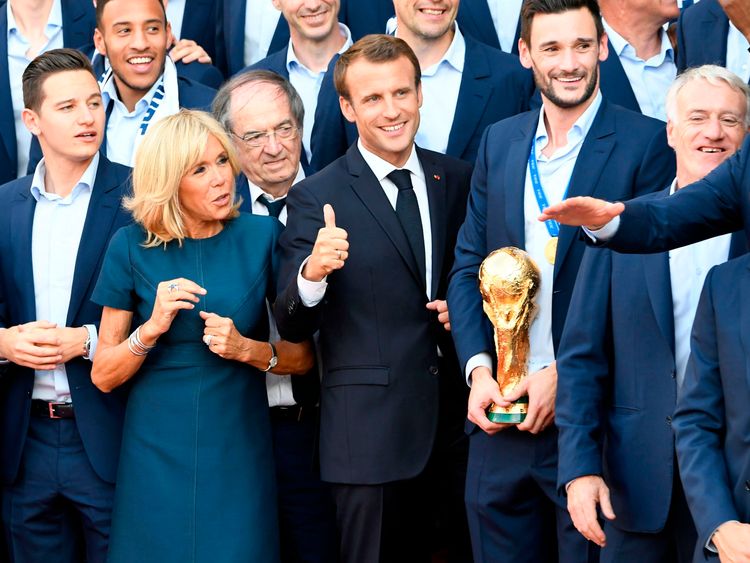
[{"x": 196, "y": 477}]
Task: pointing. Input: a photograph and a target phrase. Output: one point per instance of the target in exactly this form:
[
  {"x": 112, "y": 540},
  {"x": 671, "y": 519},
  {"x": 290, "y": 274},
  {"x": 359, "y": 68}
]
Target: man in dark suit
[
  {"x": 488, "y": 20},
  {"x": 579, "y": 143},
  {"x": 60, "y": 436},
  {"x": 625, "y": 348},
  {"x": 467, "y": 86},
  {"x": 263, "y": 114},
  {"x": 77, "y": 22},
  {"x": 364, "y": 18},
  {"x": 366, "y": 252},
  {"x": 197, "y": 22},
  {"x": 711, "y": 420}
]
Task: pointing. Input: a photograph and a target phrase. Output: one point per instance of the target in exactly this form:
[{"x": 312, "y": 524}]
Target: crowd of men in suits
[{"x": 397, "y": 163}]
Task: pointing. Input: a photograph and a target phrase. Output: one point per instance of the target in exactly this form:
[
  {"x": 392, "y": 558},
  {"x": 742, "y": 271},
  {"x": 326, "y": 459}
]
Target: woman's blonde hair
[{"x": 167, "y": 152}]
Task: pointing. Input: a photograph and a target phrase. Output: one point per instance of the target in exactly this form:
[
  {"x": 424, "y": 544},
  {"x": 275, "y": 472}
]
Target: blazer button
[
  {"x": 673, "y": 374},
  {"x": 434, "y": 370},
  {"x": 669, "y": 421},
  {"x": 747, "y": 485}
]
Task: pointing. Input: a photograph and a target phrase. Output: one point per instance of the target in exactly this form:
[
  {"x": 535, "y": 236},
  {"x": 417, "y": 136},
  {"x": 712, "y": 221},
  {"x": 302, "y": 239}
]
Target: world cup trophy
[{"x": 508, "y": 281}]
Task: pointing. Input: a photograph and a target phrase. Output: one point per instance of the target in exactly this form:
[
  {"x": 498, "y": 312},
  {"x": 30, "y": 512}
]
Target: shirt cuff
[
  {"x": 94, "y": 334},
  {"x": 482, "y": 359},
  {"x": 310, "y": 292},
  {"x": 710, "y": 543},
  {"x": 606, "y": 232}
]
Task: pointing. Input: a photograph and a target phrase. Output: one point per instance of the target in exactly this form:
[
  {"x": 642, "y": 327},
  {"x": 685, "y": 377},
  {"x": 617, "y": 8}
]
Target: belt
[
  {"x": 46, "y": 409},
  {"x": 294, "y": 413}
]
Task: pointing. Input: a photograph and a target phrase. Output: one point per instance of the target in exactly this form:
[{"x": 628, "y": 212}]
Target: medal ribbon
[{"x": 553, "y": 227}]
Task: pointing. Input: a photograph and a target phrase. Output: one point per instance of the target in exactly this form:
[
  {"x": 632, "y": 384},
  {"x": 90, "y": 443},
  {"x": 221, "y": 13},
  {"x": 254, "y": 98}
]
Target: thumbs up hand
[{"x": 330, "y": 251}]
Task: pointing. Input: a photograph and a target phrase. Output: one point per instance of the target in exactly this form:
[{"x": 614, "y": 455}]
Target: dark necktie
[
  {"x": 407, "y": 210},
  {"x": 274, "y": 207}
]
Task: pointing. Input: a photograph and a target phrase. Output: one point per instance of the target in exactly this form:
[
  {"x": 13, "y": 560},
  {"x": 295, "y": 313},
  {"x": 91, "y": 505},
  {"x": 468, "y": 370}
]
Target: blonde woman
[{"x": 184, "y": 324}]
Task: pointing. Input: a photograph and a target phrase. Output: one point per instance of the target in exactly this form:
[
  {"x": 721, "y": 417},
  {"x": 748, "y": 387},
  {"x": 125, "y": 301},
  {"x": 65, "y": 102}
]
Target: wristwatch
[
  {"x": 274, "y": 358},
  {"x": 87, "y": 344}
]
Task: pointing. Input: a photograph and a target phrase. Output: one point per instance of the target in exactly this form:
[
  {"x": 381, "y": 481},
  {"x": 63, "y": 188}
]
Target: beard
[{"x": 546, "y": 88}]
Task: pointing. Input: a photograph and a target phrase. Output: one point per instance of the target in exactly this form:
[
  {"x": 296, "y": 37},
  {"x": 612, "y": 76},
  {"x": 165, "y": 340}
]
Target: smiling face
[
  {"x": 134, "y": 36},
  {"x": 708, "y": 126},
  {"x": 564, "y": 54},
  {"x": 314, "y": 20},
  {"x": 260, "y": 107},
  {"x": 206, "y": 192},
  {"x": 70, "y": 118},
  {"x": 428, "y": 19},
  {"x": 384, "y": 103}
]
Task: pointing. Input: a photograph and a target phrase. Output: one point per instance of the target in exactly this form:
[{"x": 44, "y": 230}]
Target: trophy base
[{"x": 514, "y": 414}]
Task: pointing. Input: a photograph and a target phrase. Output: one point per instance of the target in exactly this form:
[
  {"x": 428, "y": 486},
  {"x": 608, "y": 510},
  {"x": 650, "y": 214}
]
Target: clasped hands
[{"x": 42, "y": 345}]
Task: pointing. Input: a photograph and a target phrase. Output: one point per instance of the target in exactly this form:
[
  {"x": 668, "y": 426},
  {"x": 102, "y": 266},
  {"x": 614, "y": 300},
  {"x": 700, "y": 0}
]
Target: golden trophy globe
[{"x": 508, "y": 281}]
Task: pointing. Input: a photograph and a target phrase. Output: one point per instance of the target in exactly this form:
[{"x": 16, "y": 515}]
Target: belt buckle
[{"x": 51, "y": 407}]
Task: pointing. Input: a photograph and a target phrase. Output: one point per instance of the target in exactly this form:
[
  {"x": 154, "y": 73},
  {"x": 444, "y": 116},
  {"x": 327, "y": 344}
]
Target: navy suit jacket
[
  {"x": 474, "y": 18},
  {"x": 494, "y": 86},
  {"x": 624, "y": 153},
  {"x": 199, "y": 24},
  {"x": 702, "y": 32},
  {"x": 230, "y": 36},
  {"x": 78, "y": 29},
  {"x": 712, "y": 420},
  {"x": 378, "y": 346},
  {"x": 614, "y": 83},
  {"x": 98, "y": 415},
  {"x": 616, "y": 382},
  {"x": 364, "y": 17}
]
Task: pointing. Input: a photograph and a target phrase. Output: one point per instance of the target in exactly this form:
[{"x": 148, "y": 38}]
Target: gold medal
[{"x": 550, "y": 250}]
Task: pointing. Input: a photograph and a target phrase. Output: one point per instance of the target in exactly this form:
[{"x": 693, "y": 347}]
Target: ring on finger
[
  {"x": 339, "y": 254},
  {"x": 172, "y": 287},
  {"x": 207, "y": 339}
]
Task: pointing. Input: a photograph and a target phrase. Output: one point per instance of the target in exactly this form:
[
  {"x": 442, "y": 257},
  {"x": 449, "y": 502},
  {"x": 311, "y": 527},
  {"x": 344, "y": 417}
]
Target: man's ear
[
  {"x": 347, "y": 109},
  {"x": 99, "y": 42},
  {"x": 31, "y": 120}
]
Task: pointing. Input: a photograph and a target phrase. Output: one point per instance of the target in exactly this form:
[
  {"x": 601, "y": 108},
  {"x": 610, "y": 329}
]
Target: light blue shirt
[
  {"x": 649, "y": 79},
  {"x": 55, "y": 238},
  {"x": 18, "y": 46},
  {"x": 555, "y": 172},
  {"x": 261, "y": 19},
  {"x": 307, "y": 83},
  {"x": 175, "y": 16},
  {"x": 441, "y": 83},
  {"x": 505, "y": 14},
  {"x": 738, "y": 59}
]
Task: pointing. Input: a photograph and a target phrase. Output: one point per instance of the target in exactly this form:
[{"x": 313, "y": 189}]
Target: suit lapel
[
  {"x": 715, "y": 25},
  {"x": 615, "y": 84},
  {"x": 234, "y": 29},
  {"x": 75, "y": 30},
  {"x": 738, "y": 245},
  {"x": 478, "y": 11},
  {"x": 473, "y": 96},
  {"x": 7, "y": 123},
  {"x": 594, "y": 154},
  {"x": 368, "y": 190},
  {"x": 514, "y": 182},
  {"x": 22, "y": 222},
  {"x": 434, "y": 177},
  {"x": 103, "y": 206},
  {"x": 658, "y": 283}
]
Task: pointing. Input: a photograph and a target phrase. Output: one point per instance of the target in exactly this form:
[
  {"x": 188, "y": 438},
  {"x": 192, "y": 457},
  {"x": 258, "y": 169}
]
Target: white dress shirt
[
  {"x": 18, "y": 47},
  {"x": 554, "y": 174},
  {"x": 175, "y": 16},
  {"x": 278, "y": 387},
  {"x": 55, "y": 238},
  {"x": 261, "y": 19},
  {"x": 649, "y": 79},
  {"x": 310, "y": 292},
  {"x": 307, "y": 83},
  {"x": 505, "y": 14},
  {"x": 738, "y": 59}
]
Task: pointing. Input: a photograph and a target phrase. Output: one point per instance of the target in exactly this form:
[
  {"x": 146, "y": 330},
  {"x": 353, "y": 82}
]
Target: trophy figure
[{"x": 508, "y": 281}]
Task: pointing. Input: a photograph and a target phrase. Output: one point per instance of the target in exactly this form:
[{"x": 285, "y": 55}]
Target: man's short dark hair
[
  {"x": 533, "y": 7},
  {"x": 44, "y": 66},
  {"x": 374, "y": 49},
  {"x": 222, "y": 101},
  {"x": 100, "y": 4}
]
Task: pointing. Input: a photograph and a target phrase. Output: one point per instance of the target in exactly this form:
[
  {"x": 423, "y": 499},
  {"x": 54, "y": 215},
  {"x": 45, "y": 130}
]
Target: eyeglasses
[{"x": 261, "y": 138}]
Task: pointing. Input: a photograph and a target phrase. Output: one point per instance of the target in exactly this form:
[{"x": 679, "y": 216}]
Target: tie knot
[
  {"x": 274, "y": 207},
  {"x": 402, "y": 179}
]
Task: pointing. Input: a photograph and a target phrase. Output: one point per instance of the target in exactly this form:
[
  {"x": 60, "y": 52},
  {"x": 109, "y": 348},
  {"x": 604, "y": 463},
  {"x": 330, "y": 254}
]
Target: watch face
[{"x": 273, "y": 362}]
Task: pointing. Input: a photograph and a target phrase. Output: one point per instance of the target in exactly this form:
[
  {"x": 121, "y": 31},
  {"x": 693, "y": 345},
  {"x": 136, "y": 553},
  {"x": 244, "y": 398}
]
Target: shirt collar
[
  {"x": 673, "y": 187},
  {"x": 381, "y": 168},
  {"x": 86, "y": 182},
  {"x": 109, "y": 92},
  {"x": 623, "y": 48},
  {"x": 53, "y": 23},
  {"x": 256, "y": 191},
  {"x": 291, "y": 56},
  {"x": 455, "y": 56},
  {"x": 580, "y": 128}
]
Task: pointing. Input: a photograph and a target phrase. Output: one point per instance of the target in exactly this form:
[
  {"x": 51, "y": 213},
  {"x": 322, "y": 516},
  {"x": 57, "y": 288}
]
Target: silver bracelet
[{"x": 136, "y": 345}]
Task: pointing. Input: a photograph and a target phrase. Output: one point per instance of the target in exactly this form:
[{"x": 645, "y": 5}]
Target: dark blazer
[
  {"x": 78, "y": 29},
  {"x": 378, "y": 342},
  {"x": 712, "y": 420},
  {"x": 199, "y": 24},
  {"x": 616, "y": 382},
  {"x": 230, "y": 36},
  {"x": 702, "y": 32},
  {"x": 614, "y": 83},
  {"x": 98, "y": 415},
  {"x": 366, "y": 17},
  {"x": 624, "y": 153},
  {"x": 494, "y": 86},
  {"x": 474, "y": 18}
]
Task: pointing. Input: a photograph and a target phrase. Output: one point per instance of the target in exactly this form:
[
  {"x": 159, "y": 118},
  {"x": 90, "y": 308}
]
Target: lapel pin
[{"x": 436, "y": 176}]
